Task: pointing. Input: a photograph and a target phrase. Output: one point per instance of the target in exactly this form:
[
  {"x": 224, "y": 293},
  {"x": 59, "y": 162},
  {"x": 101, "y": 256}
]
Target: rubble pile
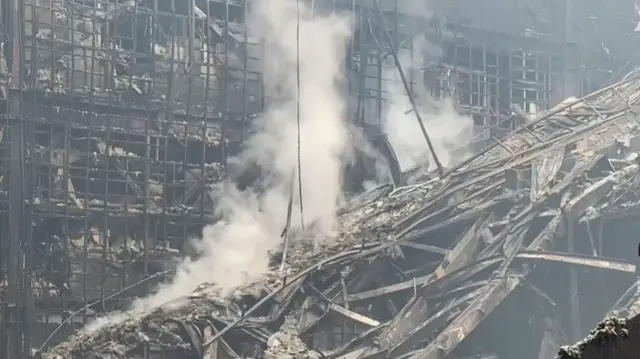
[
  {"x": 286, "y": 343},
  {"x": 415, "y": 271},
  {"x": 613, "y": 337},
  {"x": 607, "y": 331}
]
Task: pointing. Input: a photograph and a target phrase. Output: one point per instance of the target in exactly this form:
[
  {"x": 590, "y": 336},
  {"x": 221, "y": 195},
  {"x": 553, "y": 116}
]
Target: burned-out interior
[{"x": 119, "y": 118}]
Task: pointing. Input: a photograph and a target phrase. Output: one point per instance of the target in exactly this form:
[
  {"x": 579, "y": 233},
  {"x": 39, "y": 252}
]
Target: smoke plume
[
  {"x": 235, "y": 250},
  {"x": 447, "y": 129}
]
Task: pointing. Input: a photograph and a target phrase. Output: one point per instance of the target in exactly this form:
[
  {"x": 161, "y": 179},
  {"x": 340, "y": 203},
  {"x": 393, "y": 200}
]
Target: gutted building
[{"x": 118, "y": 116}]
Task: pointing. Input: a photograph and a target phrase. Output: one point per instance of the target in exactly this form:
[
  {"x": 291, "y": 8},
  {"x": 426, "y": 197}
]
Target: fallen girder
[{"x": 415, "y": 271}]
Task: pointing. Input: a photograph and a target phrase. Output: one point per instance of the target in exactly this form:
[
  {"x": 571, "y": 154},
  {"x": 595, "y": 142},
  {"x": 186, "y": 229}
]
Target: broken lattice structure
[
  {"x": 117, "y": 119},
  {"x": 415, "y": 271}
]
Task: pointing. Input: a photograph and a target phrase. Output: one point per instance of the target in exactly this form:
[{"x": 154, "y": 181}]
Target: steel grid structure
[
  {"x": 498, "y": 71},
  {"x": 118, "y": 115},
  {"x": 472, "y": 264}
]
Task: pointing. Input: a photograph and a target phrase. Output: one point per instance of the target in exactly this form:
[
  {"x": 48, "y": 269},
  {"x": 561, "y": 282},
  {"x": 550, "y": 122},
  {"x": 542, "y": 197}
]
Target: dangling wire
[{"x": 298, "y": 111}]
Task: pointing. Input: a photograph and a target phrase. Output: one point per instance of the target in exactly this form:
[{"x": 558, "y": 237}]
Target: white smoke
[
  {"x": 235, "y": 251},
  {"x": 446, "y": 128}
]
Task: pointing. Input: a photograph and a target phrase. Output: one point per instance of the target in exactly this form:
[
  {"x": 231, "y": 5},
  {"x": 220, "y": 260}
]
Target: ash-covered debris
[
  {"x": 610, "y": 329},
  {"x": 414, "y": 271},
  {"x": 286, "y": 343},
  {"x": 168, "y": 328}
]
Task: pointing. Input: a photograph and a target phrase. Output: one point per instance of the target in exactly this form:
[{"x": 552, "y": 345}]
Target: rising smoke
[
  {"x": 449, "y": 131},
  {"x": 235, "y": 251}
]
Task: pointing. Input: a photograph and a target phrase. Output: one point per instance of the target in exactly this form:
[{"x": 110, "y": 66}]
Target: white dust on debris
[{"x": 235, "y": 251}]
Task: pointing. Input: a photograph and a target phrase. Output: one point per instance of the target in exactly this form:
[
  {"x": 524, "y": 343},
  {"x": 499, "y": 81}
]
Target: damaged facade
[
  {"x": 458, "y": 265},
  {"x": 119, "y": 116}
]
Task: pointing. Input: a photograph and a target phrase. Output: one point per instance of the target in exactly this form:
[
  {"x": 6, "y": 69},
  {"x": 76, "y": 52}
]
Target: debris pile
[
  {"x": 613, "y": 337},
  {"x": 286, "y": 343},
  {"x": 416, "y": 272},
  {"x": 607, "y": 331}
]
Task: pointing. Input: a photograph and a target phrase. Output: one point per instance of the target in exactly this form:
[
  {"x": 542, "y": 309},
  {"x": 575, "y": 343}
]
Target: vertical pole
[
  {"x": 15, "y": 254},
  {"x": 223, "y": 92},
  {"x": 406, "y": 86},
  {"x": 245, "y": 69},
  {"x": 362, "y": 31},
  {"x": 574, "y": 300}
]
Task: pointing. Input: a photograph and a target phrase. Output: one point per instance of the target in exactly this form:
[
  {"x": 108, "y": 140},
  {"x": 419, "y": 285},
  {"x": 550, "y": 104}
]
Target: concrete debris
[
  {"x": 286, "y": 343},
  {"x": 442, "y": 268},
  {"x": 609, "y": 330}
]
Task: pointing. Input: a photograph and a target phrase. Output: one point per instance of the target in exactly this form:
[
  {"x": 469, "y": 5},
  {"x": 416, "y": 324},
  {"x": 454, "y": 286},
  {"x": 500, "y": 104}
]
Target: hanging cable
[{"x": 298, "y": 112}]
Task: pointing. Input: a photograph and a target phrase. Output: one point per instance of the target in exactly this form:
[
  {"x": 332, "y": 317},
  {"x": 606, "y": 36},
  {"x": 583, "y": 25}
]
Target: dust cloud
[{"x": 235, "y": 250}]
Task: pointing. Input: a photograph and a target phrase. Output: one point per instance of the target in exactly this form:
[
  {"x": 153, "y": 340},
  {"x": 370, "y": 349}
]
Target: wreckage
[
  {"x": 613, "y": 337},
  {"x": 416, "y": 270}
]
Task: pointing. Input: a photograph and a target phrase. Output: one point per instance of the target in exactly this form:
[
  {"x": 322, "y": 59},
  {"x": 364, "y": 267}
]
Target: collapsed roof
[{"x": 416, "y": 270}]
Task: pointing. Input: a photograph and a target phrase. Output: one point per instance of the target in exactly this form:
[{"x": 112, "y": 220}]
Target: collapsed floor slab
[{"x": 416, "y": 271}]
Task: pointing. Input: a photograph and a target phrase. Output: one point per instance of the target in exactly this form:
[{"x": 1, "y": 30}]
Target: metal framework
[
  {"x": 455, "y": 267},
  {"x": 499, "y": 77},
  {"x": 119, "y": 115}
]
